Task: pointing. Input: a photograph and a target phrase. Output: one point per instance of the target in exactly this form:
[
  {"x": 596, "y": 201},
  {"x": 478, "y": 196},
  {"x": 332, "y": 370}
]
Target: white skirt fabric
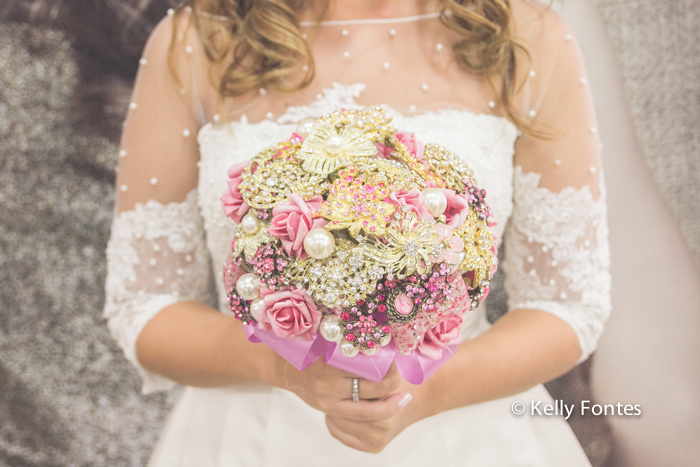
[{"x": 253, "y": 425}]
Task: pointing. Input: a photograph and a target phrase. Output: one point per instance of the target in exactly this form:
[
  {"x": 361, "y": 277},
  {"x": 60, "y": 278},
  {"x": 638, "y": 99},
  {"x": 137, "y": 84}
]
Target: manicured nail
[{"x": 403, "y": 402}]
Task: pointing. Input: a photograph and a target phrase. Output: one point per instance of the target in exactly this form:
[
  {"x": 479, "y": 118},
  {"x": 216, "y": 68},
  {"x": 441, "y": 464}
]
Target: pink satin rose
[
  {"x": 457, "y": 208},
  {"x": 412, "y": 199},
  {"x": 409, "y": 140},
  {"x": 292, "y": 220},
  {"x": 289, "y": 313},
  {"x": 446, "y": 333},
  {"x": 233, "y": 204}
]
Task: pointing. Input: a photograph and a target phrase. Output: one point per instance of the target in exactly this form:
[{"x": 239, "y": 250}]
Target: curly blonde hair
[{"x": 258, "y": 43}]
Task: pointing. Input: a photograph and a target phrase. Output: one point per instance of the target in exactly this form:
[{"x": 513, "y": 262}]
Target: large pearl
[
  {"x": 257, "y": 306},
  {"x": 250, "y": 223},
  {"x": 305, "y": 126},
  {"x": 334, "y": 144},
  {"x": 248, "y": 286},
  {"x": 434, "y": 200},
  {"x": 319, "y": 243},
  {"x": 460, "y": 258},
  {"x": 348, "y": 349},
  {"x": 385, "y": 340},
  {"x": 370, "y": 352},
  {"x": 330, "y": 328}
]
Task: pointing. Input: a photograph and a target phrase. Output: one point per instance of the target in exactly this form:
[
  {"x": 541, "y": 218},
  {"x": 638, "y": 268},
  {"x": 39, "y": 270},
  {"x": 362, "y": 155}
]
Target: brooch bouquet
[{"x": 358, "y": 243}]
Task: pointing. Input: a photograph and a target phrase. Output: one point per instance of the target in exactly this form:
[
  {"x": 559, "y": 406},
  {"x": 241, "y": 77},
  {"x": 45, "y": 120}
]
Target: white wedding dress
[{"x": 550, "y": 208}]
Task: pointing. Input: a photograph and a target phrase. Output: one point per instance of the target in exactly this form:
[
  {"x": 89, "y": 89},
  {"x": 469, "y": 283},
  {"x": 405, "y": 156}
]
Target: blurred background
[{"x": 68, "y": 397}]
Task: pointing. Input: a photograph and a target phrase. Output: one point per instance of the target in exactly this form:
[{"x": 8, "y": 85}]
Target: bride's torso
[{"x": 408, "y": 68}]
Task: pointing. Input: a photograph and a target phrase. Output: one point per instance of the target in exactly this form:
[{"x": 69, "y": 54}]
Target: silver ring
[{"x": 355, "y": 390}]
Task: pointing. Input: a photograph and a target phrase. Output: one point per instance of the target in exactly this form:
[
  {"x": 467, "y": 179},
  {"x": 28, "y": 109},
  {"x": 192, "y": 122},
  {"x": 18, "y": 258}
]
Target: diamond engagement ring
[{"x": 355, "y": 390}]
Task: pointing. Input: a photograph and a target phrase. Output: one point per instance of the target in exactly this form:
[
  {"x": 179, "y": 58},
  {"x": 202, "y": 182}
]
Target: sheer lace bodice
[{"x": 170, "y": 232}]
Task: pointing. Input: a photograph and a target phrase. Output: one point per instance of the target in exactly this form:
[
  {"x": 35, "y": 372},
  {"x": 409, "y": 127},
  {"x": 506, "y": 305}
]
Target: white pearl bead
[
  {"x": 592, "y": 170},
  {"x": 492, "y": 104},
  {"x": 188, "y": 258},
  {"x": 154, "y": 181},
  {"x": 532, "y": 73},
  {"x": 133, "y": 105},
  {"x": 159, "y": 281},
  {"x": 460, "y": 258},
  {"x": 424, "y": 87},
  {"x": 305, "y": 67},
  {"x": 334, "y": 143},
  {"x": 438, "y": 47},
  {"x": 262, "y": 91},
  {"x": 180, "y": 272},
  {"x": 188, "y": 49},
  {"x": 392, "y": 32},
  {"x": 385, "y": 340},
  {"x": 123, "y": 188},
  {"x": 319, "y": 243},
  {"x": 434, "y": 200},
  {"x": 304, "y": 36},
  {"x": 122, "y": 153},
  {"x": 386, "y": 65},
  {"x": 330, "y": 328},
  {"x": 532, "y": 113},
  {"x": 346, "y": 54},
  {"x": 143, "y": 61},
  {"x": 170, "y": 11},
  {"x": 584, "y": 81},
  {"x": 248, "y": 286},
  {"x": 152, "y": 262},
  {"x": 257, "y": 306},
  {"x": 594, "y": 129},
  {"x": 185, "y": 133},
  {"x": 557, "y": 162},
  {"x": 269, "y": 115},
  {"x": 568, "y": 37},
  {"x": 305, "y": 126},
  {"x": 370, "y": 352},
  {"x": 271, "y": 181},
  {"x": 412, "y": 108},
  {"x": 344, "y": 32},
  {"x": 250, "y": 223},
  {"x": 348, "y": 349}
]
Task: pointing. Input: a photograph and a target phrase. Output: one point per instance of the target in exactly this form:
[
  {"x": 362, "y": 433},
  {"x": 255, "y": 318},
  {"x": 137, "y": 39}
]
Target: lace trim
[
  {"x": 557, "y": 255},
  {"x": 155, "y": 257}
]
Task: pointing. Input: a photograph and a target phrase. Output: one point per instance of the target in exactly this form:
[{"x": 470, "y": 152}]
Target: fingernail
[{"x": 403, "y": 402}]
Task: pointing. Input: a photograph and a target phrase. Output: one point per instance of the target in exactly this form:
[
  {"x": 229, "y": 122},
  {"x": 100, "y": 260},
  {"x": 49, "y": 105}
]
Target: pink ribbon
[{"x": 415, "y": 368}]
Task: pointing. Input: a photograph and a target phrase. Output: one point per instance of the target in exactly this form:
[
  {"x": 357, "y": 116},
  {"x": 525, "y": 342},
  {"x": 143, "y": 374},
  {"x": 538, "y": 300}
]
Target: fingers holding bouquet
[{"x": 330, "y": 390}]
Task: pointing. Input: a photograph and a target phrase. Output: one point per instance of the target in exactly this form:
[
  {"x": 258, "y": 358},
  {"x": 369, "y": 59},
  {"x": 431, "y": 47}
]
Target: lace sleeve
[
  {"x": 556, "y": 246},
  {"x": 156, "y": 255}
]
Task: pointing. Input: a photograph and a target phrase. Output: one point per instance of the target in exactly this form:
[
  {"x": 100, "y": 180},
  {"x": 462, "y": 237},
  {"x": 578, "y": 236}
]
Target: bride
[{"x": 500, "y": 83}]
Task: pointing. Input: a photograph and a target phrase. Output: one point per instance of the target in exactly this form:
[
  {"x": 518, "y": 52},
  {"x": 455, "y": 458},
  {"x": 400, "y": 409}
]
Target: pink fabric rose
[
  {"x": 292, "y": 220},
  {"x": 457, "y": 208},
  {"x": 412, "y": 199},
  {"x": 234, "y": 206},
  {"x": 409, "y": 140},
  {"x": 446, "y": 333},
  {"x": 289, "y": 313}
]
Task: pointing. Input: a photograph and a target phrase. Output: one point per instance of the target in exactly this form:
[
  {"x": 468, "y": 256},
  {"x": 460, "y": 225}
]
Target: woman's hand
[
  {"x": 329, "y": 389},
  {"x": 373, "y": 435}
]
